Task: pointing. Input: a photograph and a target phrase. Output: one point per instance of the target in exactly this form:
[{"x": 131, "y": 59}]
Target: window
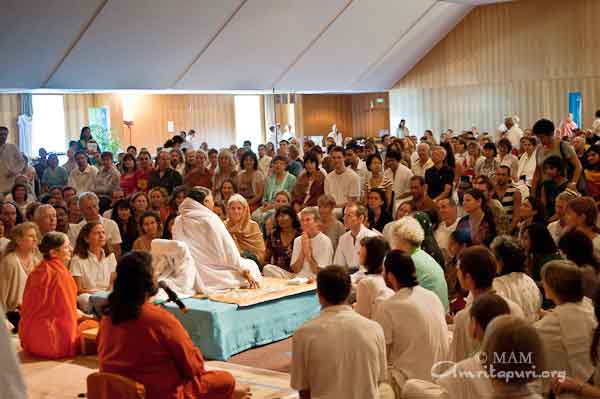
[
  {"x": 248, "y": 124},
  {"x": 48, "y": 124}
]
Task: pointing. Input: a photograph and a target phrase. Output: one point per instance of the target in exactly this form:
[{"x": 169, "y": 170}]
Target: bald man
[{"x": 45, "y": 218}]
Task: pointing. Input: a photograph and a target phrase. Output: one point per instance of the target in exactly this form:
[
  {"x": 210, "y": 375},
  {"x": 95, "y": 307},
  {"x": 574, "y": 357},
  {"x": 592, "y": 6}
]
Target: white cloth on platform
[
  {"x": 216, "y": 257},
  {"x": 173, "y": 264}
]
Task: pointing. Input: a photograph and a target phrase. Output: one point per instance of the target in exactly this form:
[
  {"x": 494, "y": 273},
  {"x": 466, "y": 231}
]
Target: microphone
[{"x": 173, "y": 297}]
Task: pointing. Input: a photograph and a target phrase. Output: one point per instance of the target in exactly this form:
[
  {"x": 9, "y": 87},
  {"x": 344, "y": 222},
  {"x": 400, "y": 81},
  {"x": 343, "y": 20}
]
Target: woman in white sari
[
  {"x": 173, "y": 264},
  {"x": 216, "y": 257}
]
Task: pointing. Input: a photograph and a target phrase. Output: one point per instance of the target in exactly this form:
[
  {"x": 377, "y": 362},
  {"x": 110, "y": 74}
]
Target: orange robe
[
  {"x": 48, "y": 326},
  {"x": 156, "y": 351}
]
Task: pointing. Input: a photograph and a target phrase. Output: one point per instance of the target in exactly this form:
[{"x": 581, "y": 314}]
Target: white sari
[
  {"x": 173, "y": 264},
  {"x": 216, "y": 257}
]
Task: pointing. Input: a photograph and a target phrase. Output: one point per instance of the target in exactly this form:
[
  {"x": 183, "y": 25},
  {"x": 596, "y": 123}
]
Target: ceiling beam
[
  {"x": 75, "y": 42},
  {"x": 312, "y": 43},
  {"x": 207, "y": 45}
]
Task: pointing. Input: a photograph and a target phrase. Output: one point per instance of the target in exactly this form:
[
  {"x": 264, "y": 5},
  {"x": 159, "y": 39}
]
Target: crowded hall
[{"x": 417, "y": 218}]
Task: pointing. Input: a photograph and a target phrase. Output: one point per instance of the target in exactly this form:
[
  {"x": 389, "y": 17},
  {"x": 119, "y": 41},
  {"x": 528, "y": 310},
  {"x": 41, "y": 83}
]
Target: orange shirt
[
  {"x": 156, "y": 351},
  {"x": 48, "y": 326}
]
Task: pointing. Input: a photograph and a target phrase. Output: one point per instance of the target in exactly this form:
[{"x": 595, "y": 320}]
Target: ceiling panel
[
  {"x": 142, "y": 44},
  {"x": 360, "y": 36},
  {"x": 413, "y": 46},
  {"x": 259, "y": 43},
  {"x": 36, "y": 35}
]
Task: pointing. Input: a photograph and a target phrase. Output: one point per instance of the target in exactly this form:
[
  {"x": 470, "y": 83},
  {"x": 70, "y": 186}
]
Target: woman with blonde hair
[
  {"x": 245, "y": 232},
  {"x": 226, "y": 170},
  {"x": 20, "y": 258}
]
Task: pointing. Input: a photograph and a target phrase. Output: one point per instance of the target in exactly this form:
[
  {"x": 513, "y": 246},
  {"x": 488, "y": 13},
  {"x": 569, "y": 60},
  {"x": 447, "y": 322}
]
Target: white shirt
[
  {"x": 463, "y": 346},
  {"x": 418, "y": 169},
  {"x": 522, "y": 290},
  {"x": 371, "y": 291},
  {"x": 556, "y": 230},
  {"x": 322, "y": 252},
  {"x": 339, "y": 354},
  {"x": 83, "y": 181},
  {"x": 400, "y": 181},
  {"x": 566, "y": 333},
  {"x": 348, "y": 247},
  {"x": 514, "y": 135},
  {"x": 111, "y": 229},
  {"x": 342, "y": 186},
  {"x": 527, "y": 166},
  {"x": 264, "y": 164},
  {"x": 337, "y": 136},
  {"x": 94, "y": 273},
  {"x": 11, "y": 380},
  {"x": 414, "y": 324},
  {"x": 442, "y": 234},
  {"x": 466, "y": 380}
]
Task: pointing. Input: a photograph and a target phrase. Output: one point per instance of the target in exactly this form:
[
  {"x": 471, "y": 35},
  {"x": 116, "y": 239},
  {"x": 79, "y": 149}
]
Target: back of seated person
[{"x": 147, "y": 344}]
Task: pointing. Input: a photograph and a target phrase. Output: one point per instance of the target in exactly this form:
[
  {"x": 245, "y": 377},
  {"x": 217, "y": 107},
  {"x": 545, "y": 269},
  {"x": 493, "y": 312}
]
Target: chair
[{"x": 111, "y": 386}]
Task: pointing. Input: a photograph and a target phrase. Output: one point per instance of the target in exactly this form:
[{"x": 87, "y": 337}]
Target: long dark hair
[
  {"x": 125, "y": 158},
  {"x": 450, "y": 160},
  {"x": 578, "y": 248},
  {"x": 128, "y": 228},
  {"x": 81, "y": 245},
  {"x": 286, "y": 210},
  {"x": 541, "y": 240},
  {"x": 134, "y": 283}
]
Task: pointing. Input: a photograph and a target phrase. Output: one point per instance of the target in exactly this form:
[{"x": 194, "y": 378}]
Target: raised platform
[{"x": 221, "y": 330}]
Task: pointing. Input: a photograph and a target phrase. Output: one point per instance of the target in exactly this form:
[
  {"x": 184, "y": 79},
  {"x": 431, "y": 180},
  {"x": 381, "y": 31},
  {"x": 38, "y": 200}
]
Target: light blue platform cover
[{"x": 221, "y": 330}]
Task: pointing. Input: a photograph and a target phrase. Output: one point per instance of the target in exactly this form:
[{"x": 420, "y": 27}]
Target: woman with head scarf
[{"x": 245, "y": 232}]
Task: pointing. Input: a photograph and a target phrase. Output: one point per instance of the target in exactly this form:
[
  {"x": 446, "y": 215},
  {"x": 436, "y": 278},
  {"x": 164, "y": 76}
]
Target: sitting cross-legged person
[
  {"x": 50, "y": 323},
  {"x": 244, "y": 231},
  {"x": 312, "y": 250},
  {"x": 147, "y": 344}
]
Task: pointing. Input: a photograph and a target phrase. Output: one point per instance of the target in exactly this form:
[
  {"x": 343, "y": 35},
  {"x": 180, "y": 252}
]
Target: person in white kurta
[
  {"x": 348, "y": 247},
  {"x": 173, "y": 264},
  {"x": 215, "y": 254},
  {"x": 456, "y": 380},
  {"x": 371, "y": 289},
  {"x": 339, "y": 353},
  {"x": 414, "y": 323},
  {"x": 312, "y": 251},
  {"x": 11, "y": 162},
  {"x": 475, "y": 274},
  {"x": 513, "y": 283},
  {"x": 567, "y": 330},
  {"x": 11, "y": 380}
]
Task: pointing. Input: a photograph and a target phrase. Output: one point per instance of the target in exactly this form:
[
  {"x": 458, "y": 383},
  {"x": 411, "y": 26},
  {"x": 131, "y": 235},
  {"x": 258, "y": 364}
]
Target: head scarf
[{"x": 246, "y": 232}]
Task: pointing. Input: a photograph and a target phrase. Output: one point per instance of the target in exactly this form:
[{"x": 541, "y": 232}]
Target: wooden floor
[{"x": 65, "y": 379}]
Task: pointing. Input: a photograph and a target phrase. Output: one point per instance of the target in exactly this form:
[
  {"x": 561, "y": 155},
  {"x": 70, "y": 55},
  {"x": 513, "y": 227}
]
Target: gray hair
[
  {"x": 311, "y": 211},
  {"x": 423, "y": 145},
  {"x": 408, "y": 229},
  {"x": 38, "y": 211},
  {"x": 87, "y": 195},
  {"x": 441, "y": 149}
]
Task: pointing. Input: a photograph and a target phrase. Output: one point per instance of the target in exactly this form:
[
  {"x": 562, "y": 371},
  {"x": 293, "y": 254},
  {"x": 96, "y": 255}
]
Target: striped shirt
[{"x": 508, "y": 199}]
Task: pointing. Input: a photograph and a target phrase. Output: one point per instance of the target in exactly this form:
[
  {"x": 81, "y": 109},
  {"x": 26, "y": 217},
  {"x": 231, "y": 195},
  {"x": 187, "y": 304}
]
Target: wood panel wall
[
  {"x": 368, "y": 116},
  {"x": 10, "y": 105},
  {"x": 320, "y": 111},
  {"x": 510, "y": 58}
]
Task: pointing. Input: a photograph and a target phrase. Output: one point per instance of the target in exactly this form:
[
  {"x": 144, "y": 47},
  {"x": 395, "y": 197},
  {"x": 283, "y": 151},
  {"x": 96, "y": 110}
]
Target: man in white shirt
[
  {"x": 414, "y": 324},
  {"x": 11, "y": 162},
  {"x": 400, "y": 176},
  {"x": 346, "y": 253},
  {"x": 82, "y": 178},
  {"x": 513, "y": 132},
  {"x": 89, "y": 206},
  {"x": 343, "y": 184},
  {"x": 476, "y": 272},
  {"x": 336, "y": 135},
  {"x": 45, "y": 218},
  {"x": 424, "y": 162},
  {"x": 359, "y": 166},
  {"x": 338, "y": 354},
  {"x": 312, "y": 250},
  {"x": 448, "y": 222},
  {"x": 527, "y": 162}
]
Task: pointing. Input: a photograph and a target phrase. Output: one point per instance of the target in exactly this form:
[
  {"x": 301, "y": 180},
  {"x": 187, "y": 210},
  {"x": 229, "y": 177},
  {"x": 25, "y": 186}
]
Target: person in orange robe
[
  {"x": 147, "y": 344},
  {"x": 49, "y": 318}
]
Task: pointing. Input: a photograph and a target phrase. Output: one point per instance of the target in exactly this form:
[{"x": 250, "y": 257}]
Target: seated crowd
[{"x": 430, "y": 258}]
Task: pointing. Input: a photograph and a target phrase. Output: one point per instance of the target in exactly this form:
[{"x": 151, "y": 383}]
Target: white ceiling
[{"x": 203, "y": 45}]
